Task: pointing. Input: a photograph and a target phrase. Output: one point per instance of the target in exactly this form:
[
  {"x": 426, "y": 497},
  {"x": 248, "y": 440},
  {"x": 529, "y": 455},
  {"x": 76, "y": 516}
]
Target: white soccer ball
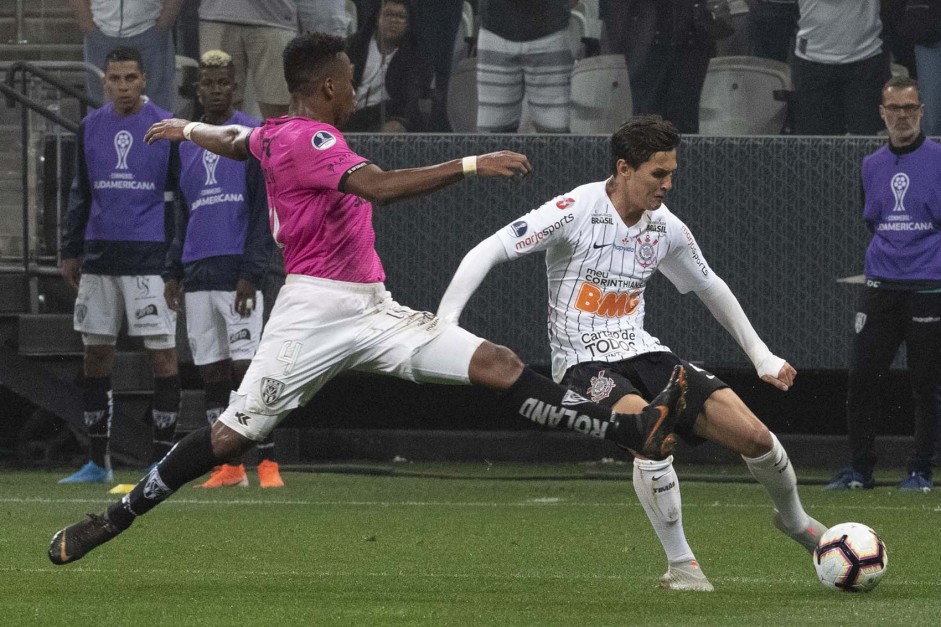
[{"x": 850, "y": 557}]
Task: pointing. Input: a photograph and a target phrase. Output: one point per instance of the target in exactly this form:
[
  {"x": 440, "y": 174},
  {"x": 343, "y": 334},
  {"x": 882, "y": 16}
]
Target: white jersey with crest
[{"x": 598, "y": 269}]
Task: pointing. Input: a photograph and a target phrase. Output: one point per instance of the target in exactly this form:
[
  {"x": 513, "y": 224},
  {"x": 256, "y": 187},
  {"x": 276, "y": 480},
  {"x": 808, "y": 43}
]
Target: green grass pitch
[{"x": 547, "y": 548}]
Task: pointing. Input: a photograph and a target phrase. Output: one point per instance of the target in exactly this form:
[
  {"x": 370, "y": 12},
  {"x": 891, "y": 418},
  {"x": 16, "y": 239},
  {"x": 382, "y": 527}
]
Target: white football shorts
[
  {"x": 103, "y": 301},
  {"x": 216, "y": 331},
  {"x": 319, "y": 328}
]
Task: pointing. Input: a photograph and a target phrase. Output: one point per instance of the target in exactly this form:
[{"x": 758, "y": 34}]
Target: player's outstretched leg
[
  {"x": 76, "y": 540},
  {"x": 658, "y": 490},
  {"x": 776, "y": 473},
  {"x": 192, "y": 457},
  {"x": 659, "y": 417},
  {"x": 649, "y": 432}
]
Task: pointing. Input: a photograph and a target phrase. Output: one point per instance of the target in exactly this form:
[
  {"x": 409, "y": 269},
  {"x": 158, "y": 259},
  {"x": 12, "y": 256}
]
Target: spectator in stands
[
  {"x": 917, "y": 23},
  {"x": 254, "y": 32},
  {"x": 523, "y": 52},
  {"x": 771, "y": 25},
  {"x": 146, "y": 26},
  {"x": 436, "y": 26},
  {"x": 219, "y": 253},
  {"x": 901, "y": 301},
  {"x": 840, "y": 67},
  {"x": 389, "y": 73},
  {"x": 667, "y": 48},
  {"x": 324, "y": 16},
  {"x": 114, "y": 243}
]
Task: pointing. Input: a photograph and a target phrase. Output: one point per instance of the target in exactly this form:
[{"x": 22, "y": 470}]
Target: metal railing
[{"x": 17, "y": 93}]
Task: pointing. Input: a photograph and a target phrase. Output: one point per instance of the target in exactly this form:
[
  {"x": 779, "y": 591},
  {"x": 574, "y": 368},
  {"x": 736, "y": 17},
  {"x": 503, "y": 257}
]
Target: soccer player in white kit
[
  {"x": 603, "y": 242},
  {"x": 333, "y": 313}
]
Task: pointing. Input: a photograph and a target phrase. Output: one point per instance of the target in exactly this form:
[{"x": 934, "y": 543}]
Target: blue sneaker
[
  {"x": 90, "y": 473},
  {"x": 851, "y": 479},
  {"x": 916, "y": 481}
]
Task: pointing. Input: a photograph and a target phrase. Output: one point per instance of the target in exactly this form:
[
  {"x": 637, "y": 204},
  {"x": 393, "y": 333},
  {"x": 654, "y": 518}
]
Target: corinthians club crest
[
  {"x": 210, "y": 161},
  {"x": 123, "y": 141},
  {"x": 646, "y": 251}
]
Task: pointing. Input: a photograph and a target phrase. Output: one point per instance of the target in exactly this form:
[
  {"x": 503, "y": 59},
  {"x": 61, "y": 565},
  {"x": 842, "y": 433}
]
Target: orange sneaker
[
  {"x": 226, "y": 475},
  {"x": 268, "y": 475}
]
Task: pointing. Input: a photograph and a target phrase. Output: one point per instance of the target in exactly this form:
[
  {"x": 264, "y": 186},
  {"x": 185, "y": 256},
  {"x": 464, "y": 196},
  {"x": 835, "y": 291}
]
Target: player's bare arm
[
  {"x": 227, "y": 141},
  {"x": 381, "y": 187},
  {"x": 173, "y": 294},
  {"x": 71, "y": 271},
  {"x": 244, "y": 298}
]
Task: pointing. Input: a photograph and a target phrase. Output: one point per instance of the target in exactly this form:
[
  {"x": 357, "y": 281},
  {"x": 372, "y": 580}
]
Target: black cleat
[
  {"x": 73, "y": 542},
  {"x": 656, "y": 421}
]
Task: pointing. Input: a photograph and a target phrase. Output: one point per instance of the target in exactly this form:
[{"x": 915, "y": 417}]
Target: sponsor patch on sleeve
[{"x": 323, "y": 140}]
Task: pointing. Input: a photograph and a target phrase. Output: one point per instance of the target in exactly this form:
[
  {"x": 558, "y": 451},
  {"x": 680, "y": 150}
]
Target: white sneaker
[
  {"x": 685, "y": 576},
  {"x": 807, "y": 537}
]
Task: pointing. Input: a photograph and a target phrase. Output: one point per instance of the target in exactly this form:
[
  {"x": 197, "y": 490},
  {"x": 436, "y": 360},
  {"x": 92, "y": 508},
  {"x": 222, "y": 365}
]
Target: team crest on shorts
[
  {"x": 860, "y": 321},
  {"x": 271, "y": 390},
  {"x": 600, "y": 387},
  {"x": 80, "y": 312}
]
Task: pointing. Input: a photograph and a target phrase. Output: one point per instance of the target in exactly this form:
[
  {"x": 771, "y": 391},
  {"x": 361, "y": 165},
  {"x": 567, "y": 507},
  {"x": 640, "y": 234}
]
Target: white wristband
[
  {"x": 188, "y": 130},
  {"x": 470, "y": 166}
]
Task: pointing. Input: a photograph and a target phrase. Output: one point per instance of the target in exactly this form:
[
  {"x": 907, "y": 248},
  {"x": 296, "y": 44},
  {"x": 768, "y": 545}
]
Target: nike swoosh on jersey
[
  {"x": 599, "y": 245},
  {"x": 659, "y": 477}
]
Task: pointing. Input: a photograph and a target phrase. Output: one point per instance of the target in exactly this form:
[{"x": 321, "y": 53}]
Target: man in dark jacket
[{"x": 667, "y": 48}]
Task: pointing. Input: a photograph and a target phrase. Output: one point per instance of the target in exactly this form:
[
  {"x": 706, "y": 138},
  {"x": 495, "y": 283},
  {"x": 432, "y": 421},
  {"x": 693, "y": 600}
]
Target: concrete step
[
  {"x": 15, "y": 293},
  {"x": 55, "y": 28},
  {"x": 48, "y": 334},
  {"x": 32, "y": 8},
  {"x": 40, "y": 52}
]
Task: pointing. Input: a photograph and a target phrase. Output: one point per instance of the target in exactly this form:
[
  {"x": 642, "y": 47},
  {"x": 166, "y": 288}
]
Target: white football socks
[
  {"x": 658, "y": 490},
  {"x": 774, "y": 471}
]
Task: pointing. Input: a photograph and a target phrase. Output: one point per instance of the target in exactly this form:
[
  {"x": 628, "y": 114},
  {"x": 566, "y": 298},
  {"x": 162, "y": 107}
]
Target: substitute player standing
[
  {"x": 114, "y": 244},
  {"x": 220, "y": 250},
  {"x": 603, "y": 242},
  {"x": 333, "y": 313}
]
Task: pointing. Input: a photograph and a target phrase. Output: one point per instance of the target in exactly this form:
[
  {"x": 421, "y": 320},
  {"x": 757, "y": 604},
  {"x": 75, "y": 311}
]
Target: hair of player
[
  {"x": 309, "y": 57},
  {"x": 639, "y": 138},
  {"x": 213, "y": 59},
  {"x": 125, "y": 53},
  {"x": 900, "y": 82}
]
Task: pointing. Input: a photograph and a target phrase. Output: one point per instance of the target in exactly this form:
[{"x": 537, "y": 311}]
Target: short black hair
[
  {"x": 125, "y": 53},
  {"x": 306, "y": 57},
  {"x": 900, "y": 82},
  {"x": 642, "y": 136}
]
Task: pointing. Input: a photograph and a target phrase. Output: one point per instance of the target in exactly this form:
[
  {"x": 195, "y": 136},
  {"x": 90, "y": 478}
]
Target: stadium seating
[
  {"x": 744, "y": 96},
  {"x": 601, "y": 95}
]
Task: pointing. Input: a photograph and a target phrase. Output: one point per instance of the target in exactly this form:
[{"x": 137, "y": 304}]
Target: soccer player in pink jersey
[{"x": 333, "y": 313}]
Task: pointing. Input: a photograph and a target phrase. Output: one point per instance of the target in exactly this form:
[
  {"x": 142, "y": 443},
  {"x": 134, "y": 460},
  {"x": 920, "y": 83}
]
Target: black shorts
[{"x": 607, "y": 382}]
